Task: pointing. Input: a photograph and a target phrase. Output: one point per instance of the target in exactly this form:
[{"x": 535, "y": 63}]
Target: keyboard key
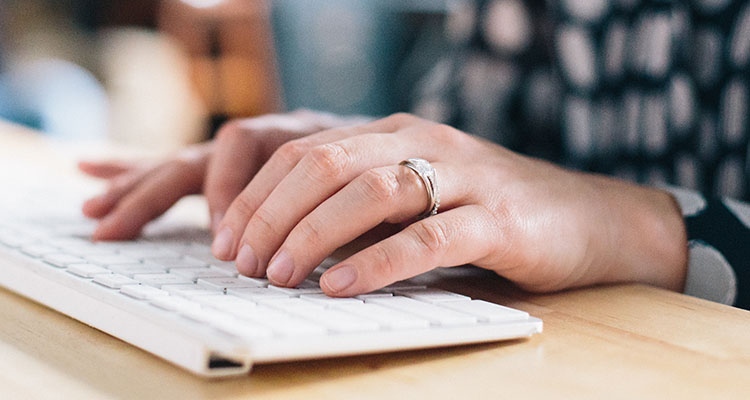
[
  {"x": 387, "y": 317},
  {"x": 144, "y": 253},
  {"x": 189, "y": 290},
  {"x": 306, "y": 287},
  {"x": 87, "y": 270},
  {"x": 223, "y": 301},
  {"x": 337, "y": 321},
  {"x": 62, "y": 260},
  {"x": 291, "y": 304},
  {"x": 169, "y": 263},
  {"x": 39, "y": 250},
  {"x": 159, "y": 280},
  {"x": 486, "y": 311},
  {"x": 230, "y": 273},
  {"x": 209, "y": 259},
  {"x": 402, "y": 285},
  {"x": 228, "y": 266},
  {"x": 227, "y": 283},
  {"x": 377, "y": 293},
  {"x": 325, "y": 301},
  {"x": 201, "y": 273},
  {"x": 37, "y": 233},
  {"x": 261, "y": 282},
  {"x": 67, "y": 242},
  {"x": 85, "y": 249},
  {"x": 80, "y": 229},
  {"x": 112, "y": 259},
  {"x": 282, "y": 324},
  {"x": 257, "y": 294},
  {"x": 196, "y": 250},
  {"x": 228, "y": 324},
  {"x": 16, "y": 240},
  {"x": 434, "y": 296},
  {"x": 114, "y": 281},
  {"x": 143, "y": 292},
  {"x": 131, "y": 270},
  {"x": 115, "y": 246},
  {"x": 177, "y": 304},
  {"x": 293, "y": 327},
  {"x": 435, "y": 314}
]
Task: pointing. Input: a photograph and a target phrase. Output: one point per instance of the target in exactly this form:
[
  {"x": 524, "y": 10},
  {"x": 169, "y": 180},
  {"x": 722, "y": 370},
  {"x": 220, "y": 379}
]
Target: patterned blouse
[{"x": 654, "y": 91}]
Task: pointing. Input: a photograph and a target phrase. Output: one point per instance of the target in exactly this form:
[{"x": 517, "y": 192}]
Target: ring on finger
[{"x": 427, "y": 174}]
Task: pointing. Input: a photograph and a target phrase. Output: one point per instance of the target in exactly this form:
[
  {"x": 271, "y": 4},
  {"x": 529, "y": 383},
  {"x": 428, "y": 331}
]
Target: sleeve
[{"x": 719, "y": 247}]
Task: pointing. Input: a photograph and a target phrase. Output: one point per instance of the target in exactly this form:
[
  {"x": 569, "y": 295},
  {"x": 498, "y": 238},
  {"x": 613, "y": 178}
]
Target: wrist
[{"x": 647, "y": 236}]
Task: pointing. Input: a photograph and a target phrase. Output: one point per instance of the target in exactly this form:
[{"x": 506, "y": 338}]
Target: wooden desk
[{"x": 627, "y": 341}]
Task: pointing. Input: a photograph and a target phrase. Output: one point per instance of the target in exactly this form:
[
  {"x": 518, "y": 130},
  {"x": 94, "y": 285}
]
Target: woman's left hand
[{"x": 541, "y": 226}]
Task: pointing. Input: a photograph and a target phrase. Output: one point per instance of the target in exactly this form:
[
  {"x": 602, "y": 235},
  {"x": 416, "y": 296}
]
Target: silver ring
[{"x": 427, "y": 173}]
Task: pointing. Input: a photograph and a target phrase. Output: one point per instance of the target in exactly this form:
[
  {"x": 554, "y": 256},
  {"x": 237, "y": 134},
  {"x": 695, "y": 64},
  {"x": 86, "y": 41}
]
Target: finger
[
  {"x": 151, "y": 198},
  {"x": 456, "y": 237},
  {"x": 320, "y": 174},
  {"x": 392, "y": 194},
  {"x": 241, "y": 148},
  {"x": 103, "y": 204},
  {"x": 234, "y": 161},
  {"x": 273, "y": 171},
  {"x": 105, "y": 169}
]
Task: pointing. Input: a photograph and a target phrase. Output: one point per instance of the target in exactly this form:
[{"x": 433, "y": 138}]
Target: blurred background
[{"x": 163, "y": 73}]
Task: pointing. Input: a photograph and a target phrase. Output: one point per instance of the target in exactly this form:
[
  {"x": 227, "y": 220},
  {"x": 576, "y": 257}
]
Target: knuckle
[
  {"x": 330, "y": 160},
  {"x": 264, "y": 221},
  {"x": 447, "y": 134},
  {"x": 384, "y": 261},
  {"x": 228, "y": 131},
  {"x": 402, "y": 118},
  {"x": 292, "y": 151},
  {"x": 179, "y": 165},
  {"x": 311, "y": 231},
  {"x": 505, "y": 229},
  {"x": 432, "y": 235},
  {"x": 381, "y": 185},
  {"x": 120, "y": 183},
  {"x": 244, "y": 205}
]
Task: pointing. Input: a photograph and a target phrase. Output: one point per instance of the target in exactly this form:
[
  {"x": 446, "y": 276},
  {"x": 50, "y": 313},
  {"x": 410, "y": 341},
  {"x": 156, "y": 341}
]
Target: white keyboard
[{"x": 167, "y": 294}]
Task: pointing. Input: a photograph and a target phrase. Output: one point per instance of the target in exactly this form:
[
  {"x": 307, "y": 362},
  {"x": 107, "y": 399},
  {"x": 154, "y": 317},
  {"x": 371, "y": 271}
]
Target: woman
[{"x": 604, "y": 86}]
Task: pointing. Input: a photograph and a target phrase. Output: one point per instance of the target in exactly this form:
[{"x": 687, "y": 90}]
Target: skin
[{"x": 285, "y": 191}]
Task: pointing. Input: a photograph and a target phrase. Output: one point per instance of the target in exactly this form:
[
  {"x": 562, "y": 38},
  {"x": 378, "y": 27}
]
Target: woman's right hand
[{"x": 139, "y": 192}]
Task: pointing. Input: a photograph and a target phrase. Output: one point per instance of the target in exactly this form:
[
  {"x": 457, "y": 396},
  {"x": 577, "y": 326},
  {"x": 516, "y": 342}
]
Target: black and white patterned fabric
[{"x": 654, "y": 91}]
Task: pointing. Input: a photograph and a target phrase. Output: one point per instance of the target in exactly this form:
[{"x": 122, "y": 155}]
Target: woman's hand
[
  {"x": 141, "y": 191},
  {"x": 541, "y": 226}
]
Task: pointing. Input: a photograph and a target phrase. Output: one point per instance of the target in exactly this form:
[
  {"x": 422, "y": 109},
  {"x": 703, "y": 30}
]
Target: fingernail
[
  {"x": 281, "y": 268},
  {"x": 222, "y": 245},
  {"x": 340, "y": 278},
  {"x": 215, "y": 220},
  {"x": 247, "y": 263}
]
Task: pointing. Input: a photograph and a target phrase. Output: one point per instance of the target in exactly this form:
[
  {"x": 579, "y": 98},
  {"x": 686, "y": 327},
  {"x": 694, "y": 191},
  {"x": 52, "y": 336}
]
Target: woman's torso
[{"x": 652, "y": 91}]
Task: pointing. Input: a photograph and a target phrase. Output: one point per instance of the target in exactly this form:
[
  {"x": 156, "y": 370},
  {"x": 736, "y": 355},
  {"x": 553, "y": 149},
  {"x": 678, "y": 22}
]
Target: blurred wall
[{"x": 355, "y": 57}]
